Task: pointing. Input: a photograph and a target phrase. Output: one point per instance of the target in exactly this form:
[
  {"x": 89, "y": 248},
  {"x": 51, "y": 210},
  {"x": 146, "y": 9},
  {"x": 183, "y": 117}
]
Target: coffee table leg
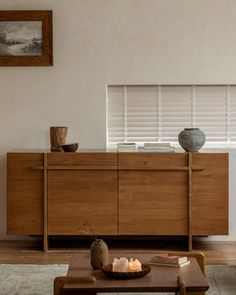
[{"x": 181, "y": 284}]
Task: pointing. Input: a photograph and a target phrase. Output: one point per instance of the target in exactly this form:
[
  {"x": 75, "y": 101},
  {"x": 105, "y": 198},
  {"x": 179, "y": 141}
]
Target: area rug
[
  {"x": 29, "y": 279},
  {"x": 38, "y": 279}
]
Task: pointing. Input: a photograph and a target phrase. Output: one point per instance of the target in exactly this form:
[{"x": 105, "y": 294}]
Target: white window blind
[
  {"x": 141, "y": 114},
  {"x": 211, "y": 111},
  {"x": 116, "y": 120},
  {"x": 175, "y": 111},
  {"x": 158, "y": 113},
  {"x": 232, "y": 113}
]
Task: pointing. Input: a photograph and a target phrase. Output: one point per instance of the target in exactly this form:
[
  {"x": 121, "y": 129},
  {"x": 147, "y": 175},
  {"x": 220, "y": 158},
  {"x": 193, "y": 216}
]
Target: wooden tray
[{"x": 107, "y": 270}]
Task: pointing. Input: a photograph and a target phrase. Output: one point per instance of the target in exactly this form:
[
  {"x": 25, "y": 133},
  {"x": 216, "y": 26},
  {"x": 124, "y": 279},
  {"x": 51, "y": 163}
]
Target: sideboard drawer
[
  {"x": 149, "y": 160},
  {"x": 94, "y": 159}
]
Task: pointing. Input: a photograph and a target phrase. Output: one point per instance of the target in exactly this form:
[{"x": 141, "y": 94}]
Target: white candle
[
  {"x": 123, "y": 265},
  {"x": 135, "y": 265},
  {"x": 120, "y": 265}
]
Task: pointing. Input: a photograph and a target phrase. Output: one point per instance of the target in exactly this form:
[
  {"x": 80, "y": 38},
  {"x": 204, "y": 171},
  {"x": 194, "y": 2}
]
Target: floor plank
[{"x": 29, "y": 252}]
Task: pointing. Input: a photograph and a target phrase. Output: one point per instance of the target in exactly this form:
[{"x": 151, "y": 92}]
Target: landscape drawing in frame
[{"x": 26, "y": 38}]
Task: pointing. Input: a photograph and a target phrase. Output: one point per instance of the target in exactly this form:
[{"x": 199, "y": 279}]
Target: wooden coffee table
[{"x": 160, "y": 279}]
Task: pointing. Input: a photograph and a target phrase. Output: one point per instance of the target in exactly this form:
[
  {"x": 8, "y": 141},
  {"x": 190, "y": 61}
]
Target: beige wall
[{"x": 100, "y": 42}]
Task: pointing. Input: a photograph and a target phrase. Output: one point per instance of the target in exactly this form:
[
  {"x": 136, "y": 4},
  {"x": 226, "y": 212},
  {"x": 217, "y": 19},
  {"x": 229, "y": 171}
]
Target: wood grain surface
[
  {"x": 82, "y": 202},
  {"x": 160, "y": 278},
  {"x": 24, "y": 194},
  {"x": 109, "y": 193},
  {"x": 210, "y": 194},
  {"x": 153, "y": 202}
]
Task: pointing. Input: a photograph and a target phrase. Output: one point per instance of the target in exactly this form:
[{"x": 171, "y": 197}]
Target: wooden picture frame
[{"x": 26, "y": 38}]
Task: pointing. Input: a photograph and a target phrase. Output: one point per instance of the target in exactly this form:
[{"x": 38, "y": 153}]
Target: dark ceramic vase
[
  {"x": 99, "y": 254},
  {"x": 191, "y": 139}
]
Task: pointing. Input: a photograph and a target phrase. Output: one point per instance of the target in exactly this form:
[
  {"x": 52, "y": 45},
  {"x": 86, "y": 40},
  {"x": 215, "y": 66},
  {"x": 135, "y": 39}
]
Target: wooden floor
[{"x": 29, "y": 252}]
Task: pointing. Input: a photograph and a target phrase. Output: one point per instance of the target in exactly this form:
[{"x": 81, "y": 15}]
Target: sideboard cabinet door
[
  {"x": 210, "y": 194},
  {"x": 153, "y": 194},
  {"x": 24, "y": 194},
  {"x": 82, "y": 194}
]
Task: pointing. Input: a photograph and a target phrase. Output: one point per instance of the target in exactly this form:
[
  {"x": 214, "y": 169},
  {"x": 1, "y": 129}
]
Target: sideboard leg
[
  {"x": 190, "y": 188},
  {"x": 45, "y": 204}
]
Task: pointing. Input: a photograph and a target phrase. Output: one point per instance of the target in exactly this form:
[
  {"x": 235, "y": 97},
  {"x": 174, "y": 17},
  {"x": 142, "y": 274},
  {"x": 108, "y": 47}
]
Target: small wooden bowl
[{"x": 72, "y": 147}]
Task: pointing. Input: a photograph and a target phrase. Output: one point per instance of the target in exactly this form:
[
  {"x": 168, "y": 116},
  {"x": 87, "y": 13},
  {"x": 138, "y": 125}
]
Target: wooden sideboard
[{"x": 117, "y": 194}]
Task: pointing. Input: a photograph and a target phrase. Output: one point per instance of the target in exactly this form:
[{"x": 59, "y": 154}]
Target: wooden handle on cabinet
[{"x": 36, "y": 167}]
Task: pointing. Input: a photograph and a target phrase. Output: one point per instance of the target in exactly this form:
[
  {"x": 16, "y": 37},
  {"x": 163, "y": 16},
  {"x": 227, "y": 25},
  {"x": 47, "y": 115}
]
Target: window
[{"x": 158, "y": 113}]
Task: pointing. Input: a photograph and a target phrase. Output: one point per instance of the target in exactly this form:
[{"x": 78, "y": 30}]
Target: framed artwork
[{"x": 26, "y": 38}]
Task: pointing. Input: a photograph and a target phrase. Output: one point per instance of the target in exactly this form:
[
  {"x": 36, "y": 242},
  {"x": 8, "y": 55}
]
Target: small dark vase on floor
[{"x": 99, "y": 254}]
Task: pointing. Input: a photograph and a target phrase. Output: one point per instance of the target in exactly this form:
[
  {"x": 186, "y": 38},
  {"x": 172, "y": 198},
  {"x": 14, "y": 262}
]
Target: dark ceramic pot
[
  {"x": 191, "y": 139},
  {"x": 99, "y": 254}
]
